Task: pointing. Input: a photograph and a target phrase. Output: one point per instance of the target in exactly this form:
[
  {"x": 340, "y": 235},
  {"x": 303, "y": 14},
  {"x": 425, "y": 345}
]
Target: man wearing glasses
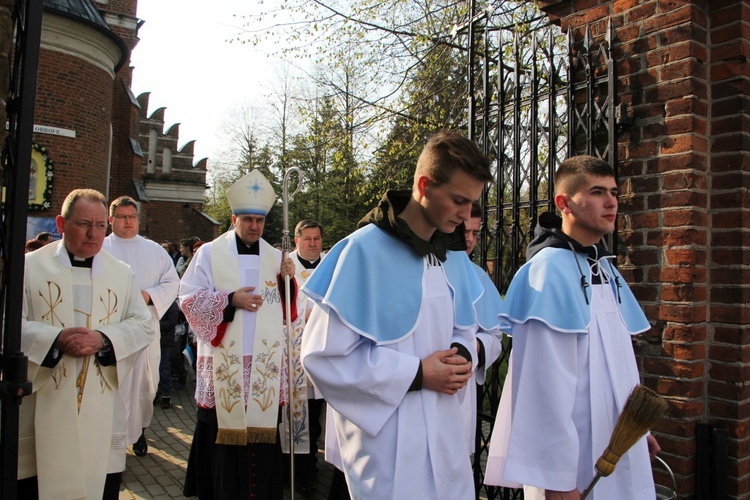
[
  {"x": 158, "y": 282},
  {"x": 84, "y": 324}
]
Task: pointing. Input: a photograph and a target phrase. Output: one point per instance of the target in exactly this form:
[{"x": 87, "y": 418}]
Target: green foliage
[
  {"x": 385, "y": 75},
  {"x": 332, "y": 177}
]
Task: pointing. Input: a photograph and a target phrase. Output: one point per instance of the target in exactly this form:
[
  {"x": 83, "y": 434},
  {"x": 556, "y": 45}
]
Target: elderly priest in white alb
[{"x": 84, "y": 322}]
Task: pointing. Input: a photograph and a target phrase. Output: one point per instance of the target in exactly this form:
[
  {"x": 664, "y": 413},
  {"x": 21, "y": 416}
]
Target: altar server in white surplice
[
  {"x": 84, "y": 324},
  {"x": 231, "y": 295},
  {"x": 572, "y": 368},
  {"x": 391, "y": 337},
  {"x": 159, "y": 283}
]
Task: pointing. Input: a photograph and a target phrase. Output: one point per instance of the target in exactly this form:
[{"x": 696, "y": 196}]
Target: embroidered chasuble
[
  {"x": 257, "y": 334},
  {"x": 66, "y": 425}
]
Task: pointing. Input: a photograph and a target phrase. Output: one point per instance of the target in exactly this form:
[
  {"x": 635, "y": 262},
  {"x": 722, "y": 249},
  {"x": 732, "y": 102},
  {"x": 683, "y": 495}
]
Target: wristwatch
[{"x": 106, "y": 344}]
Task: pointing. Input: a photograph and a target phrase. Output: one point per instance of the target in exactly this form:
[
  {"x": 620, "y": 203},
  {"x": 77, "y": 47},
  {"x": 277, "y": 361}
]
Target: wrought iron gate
[
  {"x": 537, "y": 96},
  {"x": 26, "y": 20}
]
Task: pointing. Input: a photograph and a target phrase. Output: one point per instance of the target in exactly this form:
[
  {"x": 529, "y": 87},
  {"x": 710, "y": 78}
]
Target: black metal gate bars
[
  {"x": 537, "y": 96},
  {"x": 16, "y": 158}
]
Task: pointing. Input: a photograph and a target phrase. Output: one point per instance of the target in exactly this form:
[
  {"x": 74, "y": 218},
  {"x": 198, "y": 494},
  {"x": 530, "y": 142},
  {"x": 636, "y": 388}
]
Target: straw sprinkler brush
[{"x": 642, "y": 409}]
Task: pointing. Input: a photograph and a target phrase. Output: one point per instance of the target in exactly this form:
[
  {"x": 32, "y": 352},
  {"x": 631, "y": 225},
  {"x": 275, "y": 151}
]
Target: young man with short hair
[
  {"x": 159, "y": 283},
  {"x": 572, "y": 317},
  {"x": 391, "y": 338}
]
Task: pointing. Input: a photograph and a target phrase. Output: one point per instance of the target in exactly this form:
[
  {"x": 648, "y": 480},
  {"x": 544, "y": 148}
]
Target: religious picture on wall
[
  {"x": 32, "y": 179},
  {"x": 40, "y": 178}
]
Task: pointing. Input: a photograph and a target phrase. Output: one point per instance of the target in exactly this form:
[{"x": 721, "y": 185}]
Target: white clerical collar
[{"x": 308, "y": 264}]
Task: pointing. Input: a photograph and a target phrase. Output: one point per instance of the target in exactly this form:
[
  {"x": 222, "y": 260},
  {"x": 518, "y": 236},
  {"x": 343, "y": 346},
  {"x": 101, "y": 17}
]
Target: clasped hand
[
  {"x": 445, "y": 371},
  {"x": 79, "y": 341}
]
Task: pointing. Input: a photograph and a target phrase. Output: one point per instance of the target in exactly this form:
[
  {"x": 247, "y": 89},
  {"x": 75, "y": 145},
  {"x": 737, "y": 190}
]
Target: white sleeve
[
  {"x": 493, "y": 347},
  {"x": 363, "y": 382},
  {"x": 37, "y": 339},
  {"x": 165, "y": 291},
  {"x": 544, "y": 445},
  {"x": 131, "y": 335},
  {"x": 201, "y": 304}
]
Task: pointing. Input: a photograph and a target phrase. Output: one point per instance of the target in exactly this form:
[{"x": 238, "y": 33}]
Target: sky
[{"x": 185, "y": 61}]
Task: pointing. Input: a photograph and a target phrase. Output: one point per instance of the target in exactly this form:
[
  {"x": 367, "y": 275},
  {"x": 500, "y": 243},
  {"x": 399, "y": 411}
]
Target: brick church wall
[
  {"x": 685, "y": 212},
  {"x": 107, "y": 119},
  {"x": 121, "y": 17},
  {"x": 75, "y": 95}
]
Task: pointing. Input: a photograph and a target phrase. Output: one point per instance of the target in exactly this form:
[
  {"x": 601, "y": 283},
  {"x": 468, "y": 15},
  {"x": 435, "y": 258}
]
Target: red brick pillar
[
  {"x": 685, "y": 172},
  {"x": 728, "y": 384}
]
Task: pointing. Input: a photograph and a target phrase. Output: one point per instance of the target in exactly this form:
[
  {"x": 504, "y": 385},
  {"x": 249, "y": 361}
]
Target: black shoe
[
  {"x": 140, "y": 447},
  {"x": 166, "y": 402},
  {"x": 157, "y": 397}
]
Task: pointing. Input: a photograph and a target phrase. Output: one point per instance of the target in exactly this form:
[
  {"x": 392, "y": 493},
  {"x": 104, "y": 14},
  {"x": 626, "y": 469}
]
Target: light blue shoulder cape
[
  {"x": 548, "y": 289},
  {"x": 374, "y": 283},
  {"x": 488, "y": 304}
]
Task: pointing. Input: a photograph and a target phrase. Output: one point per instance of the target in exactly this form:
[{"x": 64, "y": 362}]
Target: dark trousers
[
  {"x": 177, "y": 368},
  {"x": 217, "y": 471},
  {"x": 28, "y": 489},
  {"x": 339, "y": 490},
  {"x": 165, "y": 371}
]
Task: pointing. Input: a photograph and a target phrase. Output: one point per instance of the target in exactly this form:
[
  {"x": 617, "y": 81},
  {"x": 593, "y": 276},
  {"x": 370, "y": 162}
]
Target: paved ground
[{"x": 160, "y": 474}]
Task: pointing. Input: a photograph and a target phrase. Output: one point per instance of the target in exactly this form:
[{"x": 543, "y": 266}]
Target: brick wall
[
  {"x": 728, "y": 392},
  {"x": 685, "y": 212},
  {"x": 171, "y": 221},
  {"x": 121, "y": 17},
  {"x": 75, "y": 95},
  {"x": 117, "y": 5}
]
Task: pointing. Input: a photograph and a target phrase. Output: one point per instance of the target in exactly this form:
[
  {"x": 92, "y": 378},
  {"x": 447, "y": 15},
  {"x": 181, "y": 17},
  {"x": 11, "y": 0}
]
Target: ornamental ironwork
[{"x": 537, "y": 96}]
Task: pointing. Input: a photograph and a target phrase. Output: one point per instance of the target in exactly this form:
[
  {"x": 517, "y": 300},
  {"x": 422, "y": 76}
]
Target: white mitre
[{"x": 252, "y": 194}]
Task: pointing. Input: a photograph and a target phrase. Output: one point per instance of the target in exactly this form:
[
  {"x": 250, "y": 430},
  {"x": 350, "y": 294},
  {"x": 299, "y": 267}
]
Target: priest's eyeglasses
[
  {"x": 126, "y": 217},
  {"x": 86, "y": 225}
]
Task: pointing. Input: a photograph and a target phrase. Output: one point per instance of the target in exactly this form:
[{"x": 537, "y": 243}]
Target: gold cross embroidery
[
  {"x": 110, "y": 306},
  {"x": 50, "y": 316},
  {"x": 59, "y": 374}
]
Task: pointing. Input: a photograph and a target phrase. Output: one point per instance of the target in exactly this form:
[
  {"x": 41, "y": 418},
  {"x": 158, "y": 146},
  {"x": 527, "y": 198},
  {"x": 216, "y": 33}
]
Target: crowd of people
[{"x": 389, "y": 333}]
